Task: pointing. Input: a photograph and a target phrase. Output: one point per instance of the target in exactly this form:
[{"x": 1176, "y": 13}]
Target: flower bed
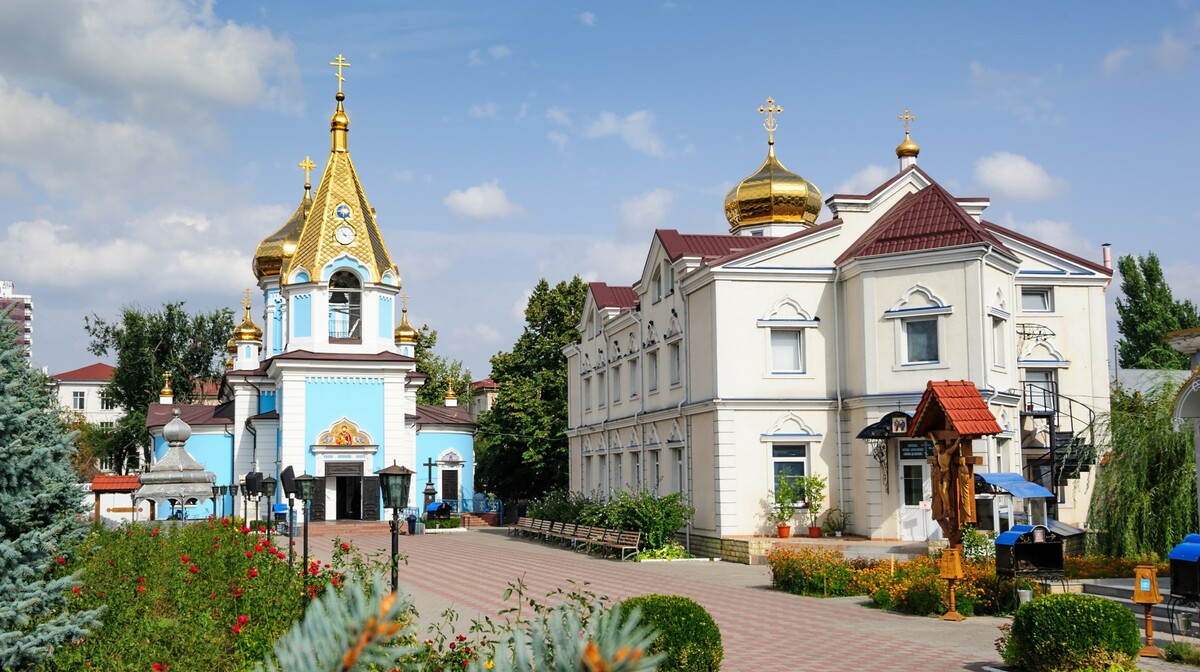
[{"x": 914, "y": 586}]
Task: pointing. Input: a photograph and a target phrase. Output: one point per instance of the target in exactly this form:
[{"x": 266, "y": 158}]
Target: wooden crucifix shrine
[{"x": 951, "y": 414}]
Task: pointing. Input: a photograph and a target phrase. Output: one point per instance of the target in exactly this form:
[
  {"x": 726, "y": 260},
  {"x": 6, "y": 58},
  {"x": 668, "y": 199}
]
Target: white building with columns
[{"x": 737, "y": 360}]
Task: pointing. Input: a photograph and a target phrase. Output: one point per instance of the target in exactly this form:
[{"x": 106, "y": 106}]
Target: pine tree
[
  {"x": 40, "y": 515},
  {"x": 1146, "y": 313}
]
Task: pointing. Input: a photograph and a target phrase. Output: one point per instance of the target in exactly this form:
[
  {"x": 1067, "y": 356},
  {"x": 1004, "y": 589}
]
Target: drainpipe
[
  {"x": 837, "y": 358},
  {"x": 986, "y": 364},
  {"x": 685, "y": 455},
  {"x": 635, "y": 312}
]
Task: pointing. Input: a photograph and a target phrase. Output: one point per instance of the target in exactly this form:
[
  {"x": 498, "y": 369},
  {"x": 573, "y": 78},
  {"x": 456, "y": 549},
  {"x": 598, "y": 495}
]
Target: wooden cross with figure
[{"x": 339, "y": 63}]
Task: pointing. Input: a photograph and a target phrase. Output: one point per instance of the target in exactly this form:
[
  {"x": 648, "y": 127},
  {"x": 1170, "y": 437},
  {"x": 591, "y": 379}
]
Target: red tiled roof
[
  {"x": 97, "y": 371},
  {"x": 956, "y": 403},
  {"x": 612, "y": 296},
  {"x": 1100, "y": 268},
  {"x": 485, "y": 383},
  {"x": 705, "y": 246},
  {"x": 196, "y": 415},
  {"x": 112, "y": 483},
  {"x": 443, "y": 415},
  {"x": 929, "y": 219}
]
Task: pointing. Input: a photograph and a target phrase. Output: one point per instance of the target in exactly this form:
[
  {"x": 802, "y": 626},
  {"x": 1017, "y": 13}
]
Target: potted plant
[
  {"x": 812, "y": 490},
  {"x": 786, "y": 496},
  {"x": 836, "y": 522}
]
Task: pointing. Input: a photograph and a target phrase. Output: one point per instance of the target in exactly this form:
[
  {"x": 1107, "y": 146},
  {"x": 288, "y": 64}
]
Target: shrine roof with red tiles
[
  {"x": 959, "y": 402},
  {"x": 103, "y": 483}
]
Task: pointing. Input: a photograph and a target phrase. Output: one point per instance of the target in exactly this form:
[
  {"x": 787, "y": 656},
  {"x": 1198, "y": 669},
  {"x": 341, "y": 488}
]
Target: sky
[{"x": 147, "y": 146}]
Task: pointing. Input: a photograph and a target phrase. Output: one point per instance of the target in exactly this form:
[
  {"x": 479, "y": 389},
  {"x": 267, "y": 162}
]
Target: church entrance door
[{"x": 347, "y": 482}]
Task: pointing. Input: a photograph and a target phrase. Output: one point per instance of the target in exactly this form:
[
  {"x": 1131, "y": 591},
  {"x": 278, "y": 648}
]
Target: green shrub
[
  {"x": 687, "y": 634},
  {"x": 1067, "y": 631},
  {"x": 657, "y": 518}
]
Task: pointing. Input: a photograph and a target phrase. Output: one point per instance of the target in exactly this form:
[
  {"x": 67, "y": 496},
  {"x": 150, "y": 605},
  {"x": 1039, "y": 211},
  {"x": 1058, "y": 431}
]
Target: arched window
[{"x": 345, "y": 308}]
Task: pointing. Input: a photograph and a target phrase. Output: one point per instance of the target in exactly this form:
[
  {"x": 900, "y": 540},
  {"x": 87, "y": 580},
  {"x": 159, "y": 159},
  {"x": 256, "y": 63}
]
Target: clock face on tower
[{"x": 344, "y": 235}]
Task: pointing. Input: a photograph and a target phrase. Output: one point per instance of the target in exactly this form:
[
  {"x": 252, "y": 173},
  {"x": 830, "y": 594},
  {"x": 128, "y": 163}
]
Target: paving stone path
[{"x": 762, "y": 630}]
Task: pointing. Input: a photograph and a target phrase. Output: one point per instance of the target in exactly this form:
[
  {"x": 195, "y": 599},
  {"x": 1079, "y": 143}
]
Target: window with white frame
[
  {"x": 655, "y": 470},
  {"x": 106, "y": 424},
  {"x": 676, "y": 470},
  {"x": 656, "y": 285},
  {"x": 602, "y": 477},
  {"x": 670, "y": 278},
  {"x": 106, "y": 402},
  {"x": 601, "y": 390},
  {"x": 673, "y": 358},
  {"x": 1041, "y": 390},
  {"x": 920, "y": 340},
  {"x": 616, "y": 384},
  {"x": 635, "y": 469},
  {"x": 585, "y": 477},
  {"x": 652, "y": 371},
  {"x": 78, "y": 400},
  {"x": 1037, "y": 299},
  {"x": 787, "y": 350},
  {"x": 789, "y": 461},
  {"x": 618, "y": 478},
  {"x": 999, "y": 349},
  {"x": 634, "y": 382}
]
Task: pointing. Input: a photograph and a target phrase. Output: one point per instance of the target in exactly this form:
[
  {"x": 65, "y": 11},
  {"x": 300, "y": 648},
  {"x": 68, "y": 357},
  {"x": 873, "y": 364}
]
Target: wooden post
[
  {"x": 952, "y": 570},
  {"x": 96, "y": 515},
  {"x": 1145, "y": 593}
]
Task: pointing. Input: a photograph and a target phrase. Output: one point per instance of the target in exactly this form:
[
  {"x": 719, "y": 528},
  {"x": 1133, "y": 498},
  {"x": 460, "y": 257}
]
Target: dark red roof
[
  {"x": 1099, "y": 268},
  {"x": 103, "y": 483},
  {"x": 705, "y": 246},
  {"x": 196, "y": 415},
  {"x": 956, "y": 403},
  {"x": 444, "y": 415},
  {"x": 97, "y": 371},
  {"x": 610, "y": 296},
  {"x": 929, "y": 219},
  {"x": 775, "y": 242},
  {"x": 485, "y": 383}
]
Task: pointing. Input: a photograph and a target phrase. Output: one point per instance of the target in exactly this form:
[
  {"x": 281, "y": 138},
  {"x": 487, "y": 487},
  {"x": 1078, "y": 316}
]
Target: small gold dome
[
  {"x": 231, "y": 347},
  {"x": 907, "y": 148},
  {"x": 405, "y": 332},
  {"x": 276, "y": 249},
  {"x": 772, "y": 195},
  {"x": 247, "y": 330},
  {"x": 166, "y": 388}
]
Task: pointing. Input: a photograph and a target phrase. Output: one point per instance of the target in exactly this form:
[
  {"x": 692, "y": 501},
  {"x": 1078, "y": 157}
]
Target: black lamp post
[
  {"x": 224, "y": 489},
  {"x": 268, "y": 485},
  {"x": 394, "y": 482},
  {"x": 289, "y": 488},
  {"x": 216, "y": 490},
  {"x": 304, "y": 490}
]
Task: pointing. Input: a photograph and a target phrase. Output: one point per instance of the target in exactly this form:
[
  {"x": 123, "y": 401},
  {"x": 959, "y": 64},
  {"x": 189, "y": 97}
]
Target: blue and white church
[{"x": 328, "y": 384}]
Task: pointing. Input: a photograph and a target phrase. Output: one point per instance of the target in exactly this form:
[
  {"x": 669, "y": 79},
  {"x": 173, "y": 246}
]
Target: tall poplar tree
[
  {"x": 522, "y": 442},
  {"x": 148, "y": 344},
  {"x": 40, "y": 509},
  {"x": 1146, "y": 313}
]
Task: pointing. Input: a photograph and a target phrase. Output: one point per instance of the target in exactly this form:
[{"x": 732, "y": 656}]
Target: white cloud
[
  {"x": 1016, "y": 177},
  {"x": 480, "y": 333},
  {"x": 636, "y": 130},
  {"x": 484, "y": 201},
  {"x": 474, "y": 57},
  {"x": 1172, "y": 53},
  {"x": 865, "y": 180},
  {"x": 588, "y": 19},
  {"x": 169, "y": 57},
  {"x": 559, "y": 116},
  {"x": 642, "y": 214},
  {"x": 518, "y": 309},
  {"x": 499, "y": 51},
  {"x": 1019, "y": 93},
  {"x": 404, "y": 176},
  {"x": 1056, "y": 234},
  {"x": 523, "y": 112},
  {"x": 1114, "y": 60},
  {"x": 558, "y": 138},
  {"x": 485, "y": 110}
]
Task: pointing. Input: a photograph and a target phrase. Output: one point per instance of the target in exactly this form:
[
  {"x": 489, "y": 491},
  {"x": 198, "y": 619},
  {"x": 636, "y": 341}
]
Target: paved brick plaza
[{"x": 762, "y": 630}]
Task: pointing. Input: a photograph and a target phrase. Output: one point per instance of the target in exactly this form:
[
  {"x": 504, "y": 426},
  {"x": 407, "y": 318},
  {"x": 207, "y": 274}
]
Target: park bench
[
  {"x": 523, "y": 526},
  {"x": 622, "y": 542}
]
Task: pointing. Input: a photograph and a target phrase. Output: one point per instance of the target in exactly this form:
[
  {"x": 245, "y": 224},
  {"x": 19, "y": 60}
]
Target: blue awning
[
  {"x": 433, "y": 506},
  {"x": 1014, "y": 485}
]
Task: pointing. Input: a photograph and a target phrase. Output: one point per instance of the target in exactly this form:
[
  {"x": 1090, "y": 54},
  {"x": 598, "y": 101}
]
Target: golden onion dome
[
  {"x": 247, "y": 330},
  {"x": 231, "y": 347},
  {"x": 772, "y": 195},
  {"x": 907, "y": 148},
  {"x": 405, "y": 332},
  {"x": 276, "y": 249}
]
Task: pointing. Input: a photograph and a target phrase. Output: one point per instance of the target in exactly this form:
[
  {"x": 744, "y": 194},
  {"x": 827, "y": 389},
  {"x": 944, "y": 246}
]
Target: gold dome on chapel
[
  {"x": 247, "y": 330},
  {"x": 773, "y": 194},
  {"x": 405, "y": 332},
  {"x": 907, "y": 148}
]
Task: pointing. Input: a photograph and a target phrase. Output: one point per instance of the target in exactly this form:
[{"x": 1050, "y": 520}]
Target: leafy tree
[
  {"x": 148, "y": 344},
  {"x": 1146, "y": 313},
  {"x": 92, "y": 442},
  {"x": 441, "y": 371},
  {"x": 1144, "y": 500},
  {"x": 522, "y": 446},
  {"x": 40, "y": 514}
]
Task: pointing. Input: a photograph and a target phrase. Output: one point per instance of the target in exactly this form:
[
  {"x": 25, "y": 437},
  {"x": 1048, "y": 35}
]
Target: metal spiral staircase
[{"x": 1069, "y": 430}]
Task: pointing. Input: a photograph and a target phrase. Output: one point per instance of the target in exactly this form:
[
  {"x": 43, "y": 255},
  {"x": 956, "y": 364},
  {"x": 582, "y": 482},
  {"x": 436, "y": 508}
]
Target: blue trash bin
[{"x": 412, "y": 523}]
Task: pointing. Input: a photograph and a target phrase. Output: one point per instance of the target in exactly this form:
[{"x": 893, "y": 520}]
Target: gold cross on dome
[
  {"x": 906, "y": 117},
  {"x": 307, "y": 165},
  {"x": 770, "y": 124},
  {"x": 404, "y": 301},
  {"x": 246, "y": 302},
  {"x": 339, "y": 63}
]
